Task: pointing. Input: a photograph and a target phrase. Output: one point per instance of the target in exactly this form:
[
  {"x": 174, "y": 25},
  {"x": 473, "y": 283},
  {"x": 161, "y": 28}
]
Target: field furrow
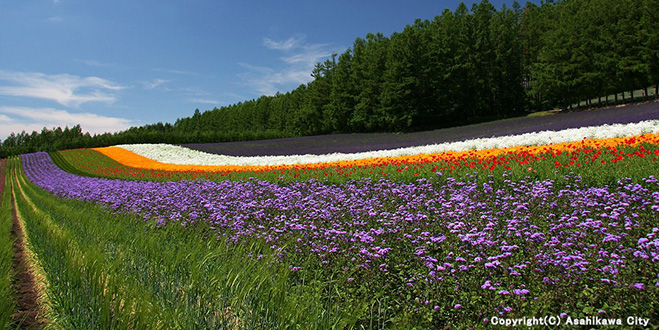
[
  {"x": 29, "y": 284},
  {"x": 7, "y": 299}
]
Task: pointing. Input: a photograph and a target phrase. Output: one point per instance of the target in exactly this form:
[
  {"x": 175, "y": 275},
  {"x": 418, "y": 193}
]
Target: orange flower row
[{"x": 131, "y": 159}]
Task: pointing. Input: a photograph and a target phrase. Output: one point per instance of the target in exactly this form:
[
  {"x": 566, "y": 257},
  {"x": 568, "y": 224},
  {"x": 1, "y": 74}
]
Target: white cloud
[
  {"x": 17, "y": 119},
  {"x": 65, "y": 89},
  {"x": 205, "y": 101},
  {"x": 309, "y": 56},
  {"x": 154, "y": 83},
  {"x": 285, "y": 45},
  {"x": 295, "y": 68}
]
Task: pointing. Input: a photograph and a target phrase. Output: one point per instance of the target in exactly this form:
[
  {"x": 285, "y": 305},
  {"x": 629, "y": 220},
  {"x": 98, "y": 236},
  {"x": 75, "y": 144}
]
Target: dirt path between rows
[{"x": 28, "y": 310}]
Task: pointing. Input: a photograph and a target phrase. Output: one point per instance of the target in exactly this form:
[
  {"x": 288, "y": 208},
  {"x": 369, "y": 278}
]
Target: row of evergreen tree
[{"x": 463, "y": 66}]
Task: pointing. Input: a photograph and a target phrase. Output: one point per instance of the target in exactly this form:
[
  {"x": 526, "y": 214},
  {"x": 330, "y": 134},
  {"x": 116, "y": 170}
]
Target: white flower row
[{"x": 171, "y": 154}]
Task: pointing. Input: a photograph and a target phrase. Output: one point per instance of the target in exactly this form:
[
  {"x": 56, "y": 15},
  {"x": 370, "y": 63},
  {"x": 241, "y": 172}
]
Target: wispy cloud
[
  {"x": 297, "y": 62},
  {"x": 205, "y": 101},
  {"x": 65, "y": 89},
  {"x": 284, "y": 45},
  {"x": 269, "y": 81},
  {"x": 181, "y": 72},
  {"x": 17, "y": 119},
  {"x": 309, "y": 55},
  {"x": 154, "y": 83},
  {"x": 55, "y": 19},
  {"x": 95, "y": 63}
]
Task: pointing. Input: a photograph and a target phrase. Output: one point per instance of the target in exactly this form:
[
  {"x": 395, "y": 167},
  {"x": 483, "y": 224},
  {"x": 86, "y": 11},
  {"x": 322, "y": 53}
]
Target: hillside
[{"x": 349, "y": 143}]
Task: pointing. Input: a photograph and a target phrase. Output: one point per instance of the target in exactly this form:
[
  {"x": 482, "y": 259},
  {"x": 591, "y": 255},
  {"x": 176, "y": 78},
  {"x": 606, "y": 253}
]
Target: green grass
[
  {"x": 7, "y": 301},
  {"x": 118, "y": 272},
  {"x": 543, "y": 113}
]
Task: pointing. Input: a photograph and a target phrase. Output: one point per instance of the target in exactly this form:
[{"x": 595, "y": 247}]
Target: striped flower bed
[
  {"x": 600, "y": 135},
  {"x": 463, "y": 154}
]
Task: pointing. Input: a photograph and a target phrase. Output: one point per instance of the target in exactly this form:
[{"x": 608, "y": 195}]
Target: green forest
[{"x": 464, "y": 66}]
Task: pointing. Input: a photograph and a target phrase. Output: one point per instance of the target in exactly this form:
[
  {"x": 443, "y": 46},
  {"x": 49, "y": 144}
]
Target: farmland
[
  {"x": 426, "y": 240},
  {"x": 488, "y": 166}
]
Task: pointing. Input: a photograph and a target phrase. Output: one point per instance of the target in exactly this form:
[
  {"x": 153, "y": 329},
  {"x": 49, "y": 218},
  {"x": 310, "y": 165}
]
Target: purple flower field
[{"x": 470, "y": 247}]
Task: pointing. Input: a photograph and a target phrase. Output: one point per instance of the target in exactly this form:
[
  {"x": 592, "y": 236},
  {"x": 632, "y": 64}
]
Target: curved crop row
[
  {"x": 598, "y": 161},
  {"x": 169, "y": 154}
]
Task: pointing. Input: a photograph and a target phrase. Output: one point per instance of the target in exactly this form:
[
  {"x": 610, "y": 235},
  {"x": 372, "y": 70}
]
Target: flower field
[
  {"x": 613, "y": 143},
  {"x": 441, "y": 236},
  {"x": 168, "y": 154}
]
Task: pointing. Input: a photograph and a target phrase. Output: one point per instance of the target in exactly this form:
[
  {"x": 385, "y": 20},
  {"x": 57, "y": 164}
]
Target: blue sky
[{"x": 109, "y": 65}]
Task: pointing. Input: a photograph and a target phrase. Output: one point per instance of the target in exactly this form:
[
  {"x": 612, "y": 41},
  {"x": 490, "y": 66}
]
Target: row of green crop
[
  {"x": 60, "y": 160},
  {"x": 7, "y": 301},
  {"x": 109, "y": 271}
]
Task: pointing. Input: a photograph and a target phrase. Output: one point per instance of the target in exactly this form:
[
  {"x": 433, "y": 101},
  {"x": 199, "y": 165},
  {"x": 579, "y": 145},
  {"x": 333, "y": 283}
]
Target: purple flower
[
  {"x": 492, "y": 264},
  {"x": 456, "y": 306},
  {"x": 521, "y": 292}
]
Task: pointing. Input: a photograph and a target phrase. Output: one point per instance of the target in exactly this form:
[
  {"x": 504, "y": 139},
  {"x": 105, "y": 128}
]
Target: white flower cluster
[{"x": 171, "y": 154}]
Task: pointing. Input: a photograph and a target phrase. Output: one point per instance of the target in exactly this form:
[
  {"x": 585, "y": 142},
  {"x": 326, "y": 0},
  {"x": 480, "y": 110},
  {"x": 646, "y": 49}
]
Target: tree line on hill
[{"x": 464, "y": 66}]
